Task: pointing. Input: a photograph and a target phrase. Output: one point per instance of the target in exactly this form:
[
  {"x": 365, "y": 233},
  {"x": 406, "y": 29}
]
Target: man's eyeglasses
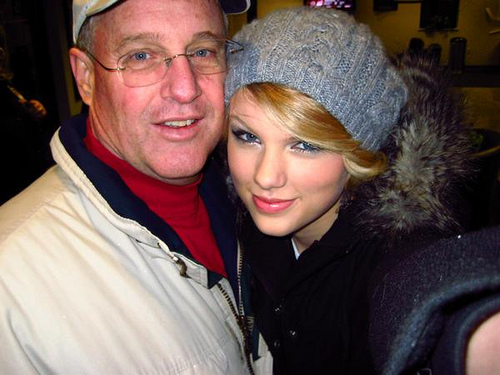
[{"x": 147, "y": 66}]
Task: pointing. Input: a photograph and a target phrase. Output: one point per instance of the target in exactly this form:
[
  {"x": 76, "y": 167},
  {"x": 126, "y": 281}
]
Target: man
[{"x": 122, "y": 258}]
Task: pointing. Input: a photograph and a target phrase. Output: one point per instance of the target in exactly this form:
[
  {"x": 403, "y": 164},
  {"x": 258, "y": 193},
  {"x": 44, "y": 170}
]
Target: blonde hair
[{"x": 306, "y": 119}]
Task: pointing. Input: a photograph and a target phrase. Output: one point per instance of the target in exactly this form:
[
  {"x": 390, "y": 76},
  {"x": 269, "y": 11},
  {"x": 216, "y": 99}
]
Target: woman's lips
[{"x": 271, "y": 206}]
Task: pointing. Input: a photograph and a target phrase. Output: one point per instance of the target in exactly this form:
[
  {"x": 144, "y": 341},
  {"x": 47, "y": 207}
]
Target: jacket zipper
[
  {"x": 239, "y": 314},
  {"x": 242, "y": 324}
]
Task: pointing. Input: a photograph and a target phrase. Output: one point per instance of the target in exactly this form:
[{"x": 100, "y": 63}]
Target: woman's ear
[{"x": 83, "y": 71}]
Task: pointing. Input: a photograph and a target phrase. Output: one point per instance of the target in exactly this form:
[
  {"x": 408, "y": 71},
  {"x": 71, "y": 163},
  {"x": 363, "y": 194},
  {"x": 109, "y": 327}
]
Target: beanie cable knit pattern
[{"x": 327, "y": 55}]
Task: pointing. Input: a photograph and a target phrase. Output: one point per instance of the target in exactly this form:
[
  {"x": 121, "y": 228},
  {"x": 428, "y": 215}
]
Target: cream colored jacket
[{"x": 86, "y": 291}]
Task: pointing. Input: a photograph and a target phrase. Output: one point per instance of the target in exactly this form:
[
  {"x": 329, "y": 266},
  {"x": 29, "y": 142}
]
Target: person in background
[
  {"x": 32, "y": 107},
  {"x": 21, "y": 131},
  {"x": 338, "y": 156},
  {"x": 122, "y": 258}
]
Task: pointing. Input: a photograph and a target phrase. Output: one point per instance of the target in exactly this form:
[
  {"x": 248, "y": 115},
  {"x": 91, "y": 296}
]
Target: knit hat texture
[{"x": 327, "y": 55}]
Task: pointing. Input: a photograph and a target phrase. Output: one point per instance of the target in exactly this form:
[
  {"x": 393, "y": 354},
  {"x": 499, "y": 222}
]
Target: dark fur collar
[{"x": 429, "y": 157}]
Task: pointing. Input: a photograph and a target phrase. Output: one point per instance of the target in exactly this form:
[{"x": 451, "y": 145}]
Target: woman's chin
[{"x": 273, "y": 229}]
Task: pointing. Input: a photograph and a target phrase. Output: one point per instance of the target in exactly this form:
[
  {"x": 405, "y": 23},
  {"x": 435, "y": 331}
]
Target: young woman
[{"x": 316, "y": 113}]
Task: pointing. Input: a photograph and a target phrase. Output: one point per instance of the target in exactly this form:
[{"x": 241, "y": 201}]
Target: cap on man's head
[{"x": 86, "y": 8}]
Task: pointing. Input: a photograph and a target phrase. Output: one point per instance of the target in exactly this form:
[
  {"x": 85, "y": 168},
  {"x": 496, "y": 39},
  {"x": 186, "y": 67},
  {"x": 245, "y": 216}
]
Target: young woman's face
[{"x": 288, "y": 186}]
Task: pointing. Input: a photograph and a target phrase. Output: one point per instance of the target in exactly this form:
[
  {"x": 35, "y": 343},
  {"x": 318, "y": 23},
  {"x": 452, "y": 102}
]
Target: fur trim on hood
[{"x": 429, "y": 159}]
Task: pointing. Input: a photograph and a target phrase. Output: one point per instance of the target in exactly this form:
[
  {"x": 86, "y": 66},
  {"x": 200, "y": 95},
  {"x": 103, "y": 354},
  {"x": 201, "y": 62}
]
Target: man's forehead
[
  {"x": 83, "y": 9},
  {"x": 130, "y": 22},
  {"x": 186, "y": 10}
]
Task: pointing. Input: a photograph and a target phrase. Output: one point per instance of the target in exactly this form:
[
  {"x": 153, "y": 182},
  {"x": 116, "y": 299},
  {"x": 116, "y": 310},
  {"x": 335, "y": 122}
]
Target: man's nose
[{"x": 180, "y": 83}]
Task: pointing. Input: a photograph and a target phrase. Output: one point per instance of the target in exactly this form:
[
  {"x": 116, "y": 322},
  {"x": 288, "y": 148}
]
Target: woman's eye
[
  {"x": 305, "y": 147},
  {"x": 244, "y": 136}
]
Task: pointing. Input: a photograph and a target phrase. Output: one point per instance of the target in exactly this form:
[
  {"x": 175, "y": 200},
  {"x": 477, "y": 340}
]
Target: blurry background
[{"x": 463, "y": 35}]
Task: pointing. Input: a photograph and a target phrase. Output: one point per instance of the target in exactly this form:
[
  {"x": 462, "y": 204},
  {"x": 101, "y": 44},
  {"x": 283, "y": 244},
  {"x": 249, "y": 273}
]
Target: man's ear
[{"x": 83, "y": 71}]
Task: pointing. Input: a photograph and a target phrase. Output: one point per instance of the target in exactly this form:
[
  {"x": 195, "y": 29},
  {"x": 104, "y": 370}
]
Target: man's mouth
[{"x": 179, "y": 124}]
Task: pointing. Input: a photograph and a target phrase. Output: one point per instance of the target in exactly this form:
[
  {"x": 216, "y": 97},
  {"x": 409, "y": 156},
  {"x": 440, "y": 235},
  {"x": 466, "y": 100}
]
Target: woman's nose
[{"x": 271, "y": 170}]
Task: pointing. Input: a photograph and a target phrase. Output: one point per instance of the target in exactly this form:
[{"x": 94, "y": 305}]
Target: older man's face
[{"x": 166, "y": 130}]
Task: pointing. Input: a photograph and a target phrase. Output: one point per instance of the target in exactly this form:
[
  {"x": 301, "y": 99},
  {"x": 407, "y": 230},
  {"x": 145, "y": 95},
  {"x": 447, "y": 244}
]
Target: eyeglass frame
[{"x": 168, "y": 61}]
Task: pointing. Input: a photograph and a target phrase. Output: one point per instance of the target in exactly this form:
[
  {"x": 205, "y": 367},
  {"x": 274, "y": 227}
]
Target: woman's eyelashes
[
  {"x": 302, "y": 146},
  {"x": 244, "y": 136}
]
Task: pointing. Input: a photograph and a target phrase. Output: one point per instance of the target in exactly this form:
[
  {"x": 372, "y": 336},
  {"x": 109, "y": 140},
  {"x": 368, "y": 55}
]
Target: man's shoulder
[{"x": 26, "y": 208}]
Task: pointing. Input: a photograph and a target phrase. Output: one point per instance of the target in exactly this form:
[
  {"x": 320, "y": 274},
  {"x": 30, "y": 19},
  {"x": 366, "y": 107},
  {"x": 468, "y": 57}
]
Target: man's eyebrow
[
  {"x": 139, "y": 37},
  {"x": 156, "y": 37},
  {"x": 206, "y": 35}
]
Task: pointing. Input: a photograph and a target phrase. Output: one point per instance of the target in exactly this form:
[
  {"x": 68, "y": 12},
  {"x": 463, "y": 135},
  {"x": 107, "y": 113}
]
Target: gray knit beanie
[{"x": 327, "y": 55}]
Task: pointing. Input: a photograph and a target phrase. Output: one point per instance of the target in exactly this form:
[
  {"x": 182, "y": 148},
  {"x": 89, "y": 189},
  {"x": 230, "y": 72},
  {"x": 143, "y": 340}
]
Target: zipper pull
[{"x": 181, "y": 264}]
